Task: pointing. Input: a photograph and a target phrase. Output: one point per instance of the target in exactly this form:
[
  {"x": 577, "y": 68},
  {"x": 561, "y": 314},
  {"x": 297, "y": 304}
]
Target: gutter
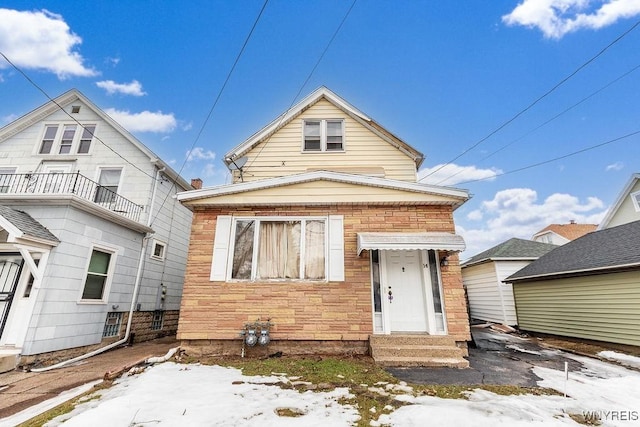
[
  {"x": 134, "y": 298},
  {"x": 572, "y": 273}
]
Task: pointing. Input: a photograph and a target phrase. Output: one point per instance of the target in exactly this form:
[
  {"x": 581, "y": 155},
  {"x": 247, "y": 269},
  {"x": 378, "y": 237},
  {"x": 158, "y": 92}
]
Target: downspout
[{"x": 136, "y": 290}]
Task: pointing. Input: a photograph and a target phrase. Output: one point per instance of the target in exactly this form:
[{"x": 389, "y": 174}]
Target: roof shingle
[
  {"x": 512, "y": 248},
  {"x": 25, "y": 223}
]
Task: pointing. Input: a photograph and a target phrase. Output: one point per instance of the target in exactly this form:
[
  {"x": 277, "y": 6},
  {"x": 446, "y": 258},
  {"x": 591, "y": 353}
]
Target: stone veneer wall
[{"x": 305, "y": 311}]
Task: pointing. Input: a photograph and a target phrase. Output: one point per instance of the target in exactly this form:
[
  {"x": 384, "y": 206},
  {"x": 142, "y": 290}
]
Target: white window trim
[
  {"x": 155, "y": 242},
  {"x": 75, "y": 145},
  {"x": 635, "y": 198},
  {"x": 323, "y": 135},
  {"x": 110, "y": 272},
  {"x": 224, "y": 242}
]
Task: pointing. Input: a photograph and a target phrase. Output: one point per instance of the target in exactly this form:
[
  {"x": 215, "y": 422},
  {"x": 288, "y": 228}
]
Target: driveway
[{"x": 497, "y": 358}]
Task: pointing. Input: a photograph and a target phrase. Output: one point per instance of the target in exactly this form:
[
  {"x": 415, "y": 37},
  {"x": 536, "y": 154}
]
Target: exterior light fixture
[{"x": 444, "y": 261}]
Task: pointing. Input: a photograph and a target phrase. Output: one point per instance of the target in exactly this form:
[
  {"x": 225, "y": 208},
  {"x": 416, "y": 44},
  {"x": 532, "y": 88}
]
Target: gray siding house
[
  {"x": 588, "y": 288},
  {"x": 89, "y": 233}
]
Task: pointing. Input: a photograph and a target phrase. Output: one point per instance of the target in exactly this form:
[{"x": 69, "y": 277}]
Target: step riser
[
  {"x": 426, "y": 352},
  {"x": 428, "y": 340},
  {"x": 8, "y": 362},
  {"x": 426, "y": 363}
]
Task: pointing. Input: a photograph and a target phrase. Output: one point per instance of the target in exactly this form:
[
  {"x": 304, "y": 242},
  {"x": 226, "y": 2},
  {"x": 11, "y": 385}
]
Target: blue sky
[{"x": 440, "y": 75}]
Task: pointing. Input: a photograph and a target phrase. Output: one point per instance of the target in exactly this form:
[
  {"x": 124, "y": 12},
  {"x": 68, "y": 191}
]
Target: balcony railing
[{"x": 69, "y": 183}]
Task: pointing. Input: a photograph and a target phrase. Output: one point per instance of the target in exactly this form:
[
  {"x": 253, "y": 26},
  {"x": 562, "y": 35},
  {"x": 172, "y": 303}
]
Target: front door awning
[{"x": 438, "y": 241}]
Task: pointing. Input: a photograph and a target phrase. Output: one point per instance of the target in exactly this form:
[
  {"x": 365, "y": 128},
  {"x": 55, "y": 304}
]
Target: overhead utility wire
[
  {"x": 556, "y": 158},
  {"x": 505, "y": 124},
  {"x": 335, "y": 33},
  {"x": 215, "y": 102},
  {"x": 70, "y": 116},
  {"x": 548, "y": 121}
]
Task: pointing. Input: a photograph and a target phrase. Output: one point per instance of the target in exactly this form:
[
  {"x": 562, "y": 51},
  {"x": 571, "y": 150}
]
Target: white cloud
[
  {"x": 516, "y": 212},
  {"x": 134, "y": 88},
  {"x": 198, "y": 153},
  {"x": 9, "y": 118},
  {"x": 614, "y": 166},
  {"x": 209, "y": 170},
  {"x": 453, "y": 174},
  {"x": 112, "y": 61},
  {"x": 145, "y": 121},
  {"x": 555, "y": 18},
  {"x": 41, "y": 40}
]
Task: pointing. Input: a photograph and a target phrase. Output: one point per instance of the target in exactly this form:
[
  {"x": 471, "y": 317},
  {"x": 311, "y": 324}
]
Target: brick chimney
[{"x": 196, "y": 183}]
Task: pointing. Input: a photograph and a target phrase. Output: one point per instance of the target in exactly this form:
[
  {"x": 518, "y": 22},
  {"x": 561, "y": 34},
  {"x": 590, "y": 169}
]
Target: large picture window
[{"x": 279, "y": 249}]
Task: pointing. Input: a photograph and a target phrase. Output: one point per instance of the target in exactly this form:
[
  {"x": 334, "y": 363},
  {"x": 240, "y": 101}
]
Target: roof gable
[
  {"x": 612, "y": 248},
  {"x": 310, "y": 100},
  {"x": 73, "y": 96},
  {"x": 512, "y": 249},
  {"x": 621, "y": 201},
  {"x": 569, "y": 231}
]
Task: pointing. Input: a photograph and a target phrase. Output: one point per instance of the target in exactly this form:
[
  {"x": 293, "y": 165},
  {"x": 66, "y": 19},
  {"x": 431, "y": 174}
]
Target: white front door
[{"x": 404, "y": 292}]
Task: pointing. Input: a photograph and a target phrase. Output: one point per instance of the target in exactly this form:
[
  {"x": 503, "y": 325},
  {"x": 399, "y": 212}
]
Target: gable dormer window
[
  {"x": 323, "y": 135},
  {"x": 635, "y": 197},
  {"x": 71, "y": 139}
]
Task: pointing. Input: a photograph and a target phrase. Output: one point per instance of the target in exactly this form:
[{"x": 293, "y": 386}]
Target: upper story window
[
  {"x": 70, "y": 139},
  {"x": 108, "y": 183},
  {"x": 323, "y": 135},
  {"x": 635, "y": 197}
]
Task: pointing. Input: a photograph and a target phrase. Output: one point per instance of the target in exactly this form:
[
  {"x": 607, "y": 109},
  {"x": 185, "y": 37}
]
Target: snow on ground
[
  {"x": 624, "y": 359},
  {"x": 171, "y": 394}
]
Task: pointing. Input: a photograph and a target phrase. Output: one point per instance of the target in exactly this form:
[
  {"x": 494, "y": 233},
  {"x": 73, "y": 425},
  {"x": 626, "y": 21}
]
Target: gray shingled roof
[
  {"x": 25, "y": 223},
  {"x": 611, "y": 248},
  {"x": 512, "y": 249}
]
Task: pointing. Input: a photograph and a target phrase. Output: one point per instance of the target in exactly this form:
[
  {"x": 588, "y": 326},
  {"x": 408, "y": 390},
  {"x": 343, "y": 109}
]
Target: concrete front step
[
  {"x": 8, "y": 361},
  {"x": 427, "y": 362},
  {"x": 417, "y": 350},
  {"x": 436, "y": 351}
]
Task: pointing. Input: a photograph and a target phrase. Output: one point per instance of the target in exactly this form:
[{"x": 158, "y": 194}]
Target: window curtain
[
  {"x": 243, "y": 250},
  {"x": 314, "y": 250},
  {"x": 279, "y": 250}
]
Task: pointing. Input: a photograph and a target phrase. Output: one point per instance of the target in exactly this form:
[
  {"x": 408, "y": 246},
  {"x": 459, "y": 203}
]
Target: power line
[
  {"x": 540, "y": 98},
  {"x": 215, "y": 102},
  {"x": 335, "y": 33},
  {"x": 70, "y": 116},
  {"x": 549, "y": 120},
  {"x": 593, "y": 147}
]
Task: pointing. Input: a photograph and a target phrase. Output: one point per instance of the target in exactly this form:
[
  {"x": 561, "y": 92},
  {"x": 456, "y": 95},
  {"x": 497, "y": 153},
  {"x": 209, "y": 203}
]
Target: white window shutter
[
  {"x": 221, "y": 248},
  {"x": 336, "y": 248}
]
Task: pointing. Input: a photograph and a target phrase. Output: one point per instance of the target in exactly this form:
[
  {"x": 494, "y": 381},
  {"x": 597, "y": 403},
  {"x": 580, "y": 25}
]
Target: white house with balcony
[{"x": 90, "y": 234}]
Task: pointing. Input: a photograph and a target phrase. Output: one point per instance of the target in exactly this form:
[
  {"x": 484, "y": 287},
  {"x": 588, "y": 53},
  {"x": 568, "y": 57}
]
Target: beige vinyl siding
[
  {"x": 489, "y": 298},
  {"x": 281, "y": 154},
  {"x": 322, "y": 192},
  {"x": 603, "y": 307},
  {"x": 627, "y": 212}
]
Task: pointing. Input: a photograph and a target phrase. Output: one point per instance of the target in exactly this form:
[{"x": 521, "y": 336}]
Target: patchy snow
[
  {"x": 521, "y": 350},
  {"x": 624, "y": 359},
  {"x": 171, "y": 394}
]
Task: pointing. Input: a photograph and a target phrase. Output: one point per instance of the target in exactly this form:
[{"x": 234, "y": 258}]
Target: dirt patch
[{"x": 582, "y": 346}]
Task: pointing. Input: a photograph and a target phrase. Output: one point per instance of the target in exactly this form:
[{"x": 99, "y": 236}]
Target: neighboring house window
[
  {"x": 279, "y": 248},
  {"x": 6, "y": 179},
  {"x": 47, "y": 140},
  {"x": 112, "y": 324},
  {"x": 158, "y": 250},
  {"x": 85, "y": 140},
  {"x": 158, "y": 318},
  {"x": 323, "y": 135},
  {"x": 636, "y": 200},
  {"x": 68, "y": 138},
  {"x": 98, "y": 275},
  {"x": 108, "y": 183}
]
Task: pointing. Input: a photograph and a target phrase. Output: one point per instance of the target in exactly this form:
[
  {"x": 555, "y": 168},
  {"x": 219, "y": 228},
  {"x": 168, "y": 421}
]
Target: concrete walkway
[{"x": 21, "y": 390}]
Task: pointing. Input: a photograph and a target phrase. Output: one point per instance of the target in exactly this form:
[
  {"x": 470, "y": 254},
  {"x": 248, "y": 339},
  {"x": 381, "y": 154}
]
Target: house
[
  {"x": 92, "y": 242},
  {"x": 559, "y": 234},
  {"x": 490, "y": 299},
  {"x": 325, "y": 243},
  {"x": 588, "y": 288},
  {"x": 626, "y": 208}
]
